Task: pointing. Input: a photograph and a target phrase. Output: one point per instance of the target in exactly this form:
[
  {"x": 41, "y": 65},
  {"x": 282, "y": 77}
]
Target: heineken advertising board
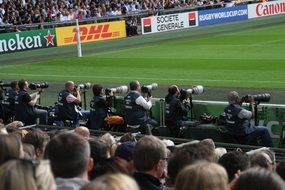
[{"x": 21, "y": 41}]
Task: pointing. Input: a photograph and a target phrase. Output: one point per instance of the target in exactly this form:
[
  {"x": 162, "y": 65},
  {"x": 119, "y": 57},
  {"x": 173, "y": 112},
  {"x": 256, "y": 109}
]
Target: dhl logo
[{"x": 92, "y": 33}]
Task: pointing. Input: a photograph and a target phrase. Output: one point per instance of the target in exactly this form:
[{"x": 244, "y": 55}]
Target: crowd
[
  {"x": 20, "y": 12},
  {"x": 74, "y": 160}
]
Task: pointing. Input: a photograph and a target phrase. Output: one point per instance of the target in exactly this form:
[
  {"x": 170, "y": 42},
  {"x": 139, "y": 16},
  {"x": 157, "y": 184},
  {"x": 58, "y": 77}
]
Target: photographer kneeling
[
  {"x": 25, "y": 110},
  {"x": 69, "y": 100},
  {"x": 99, "y": 107},
  {"x": 237, "y": 120},
  {"x": 136, "y": 108},
  {"x": 176, "y": 111}
]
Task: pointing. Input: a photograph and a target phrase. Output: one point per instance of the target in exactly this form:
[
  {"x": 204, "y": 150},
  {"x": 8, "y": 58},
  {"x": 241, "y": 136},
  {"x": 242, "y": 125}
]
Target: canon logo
[{"x": 270, "y": 9}]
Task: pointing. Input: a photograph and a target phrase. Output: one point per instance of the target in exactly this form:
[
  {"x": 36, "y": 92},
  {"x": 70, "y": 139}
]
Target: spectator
[
  {"x": 111, "y": 142},
  {"x": 124, "y": 157},
  {"x": 238, "y": 122},
  {"x": 25, "y": 110},
  {"x": 186, "y": 155},
  {"x": 83, "y": 131},
  {"x": 150, "y": 160},
  {"x": 136, "y": 108},
  {"x": 202, "y": 176},
  {"x": 69, "y": 155},
  {"x": 264, "y": 159},
  {"x": 259, "y": 179},
  {"x": 112, "y": 182},
  {"x": 29, "y": 151},
  {"x": 234, "y": 162},
  {"x": 103, "y": 164},
  {"x": 26, "y": 175},
  {"x": 39, "y": 140},
  {"x": 10, "y": 148}
]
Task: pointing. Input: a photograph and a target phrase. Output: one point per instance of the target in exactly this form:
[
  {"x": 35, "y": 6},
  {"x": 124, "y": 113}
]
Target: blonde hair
[
  {"x": 112, "y": 182},
  {"x": 203, "y": 176},
  {"x": 26, "y": 175}
]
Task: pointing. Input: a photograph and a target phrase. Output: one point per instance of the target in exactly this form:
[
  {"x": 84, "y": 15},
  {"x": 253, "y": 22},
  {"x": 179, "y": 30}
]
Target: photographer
[
  {"x": 8, "y": 102},
  {"x": 237, "y": 120},
  {"x": 176, "y": 110},
  {"x": 25, "y": 110},
  {"x": 67, "y": 104},
  {"x": 136, "y": 108},
  {"x": 99, "y": 107}
]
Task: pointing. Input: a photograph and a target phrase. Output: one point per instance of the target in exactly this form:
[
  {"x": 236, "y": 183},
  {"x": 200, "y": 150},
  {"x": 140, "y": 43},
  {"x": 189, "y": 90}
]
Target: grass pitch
[{"x": 243, "y": 54}]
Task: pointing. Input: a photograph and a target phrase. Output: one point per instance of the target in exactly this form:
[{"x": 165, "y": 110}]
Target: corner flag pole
[{"x": 79, "y": 51}]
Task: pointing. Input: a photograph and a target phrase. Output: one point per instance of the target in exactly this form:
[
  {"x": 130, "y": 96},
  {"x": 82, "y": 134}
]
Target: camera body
[
  {"x": 119, "y": 90},
  {"x": 34, "y": 86},
  {"x": 149, "y": 88},
  {"x": 84, "y": 86},
  {"x": 263, "y": 97},
  {"x": 4, "y": 85}
]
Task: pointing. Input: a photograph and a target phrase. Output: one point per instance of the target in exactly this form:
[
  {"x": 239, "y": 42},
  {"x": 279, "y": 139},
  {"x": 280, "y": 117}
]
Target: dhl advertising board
[{"x": 91, "y": 32}]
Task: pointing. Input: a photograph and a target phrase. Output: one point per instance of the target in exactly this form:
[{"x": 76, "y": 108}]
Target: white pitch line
[{"x": 141, "y": 78}]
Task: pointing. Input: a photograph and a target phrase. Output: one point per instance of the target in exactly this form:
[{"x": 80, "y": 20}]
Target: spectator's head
[
  {"x": 39, "y": 140},
  {"x": 150, "y": 156},
  {"x": 173, "y": 90},
  {"x": 100, "y": 152},
  {"x": 135, "y": 85},
  {"x": 10, "y": 148},
  {"x": 128, "y": 137},
  {"x": 23, "y": 84},
  {"x": 202, "y": 176},
  {"x": 29, "y": 151},
  {"x": 69, "y": 155},
  {"x": 125, "y": 150},
  {"x": 219, "y": 152},
  {"x": 97, "y": 89},
  {"x": 280, "y": 169},
  {"x": 124, "y": 157},
  {"x": 99, "y": 149},
  {"x": 69, "y": 86},
  {"x": 234, "y": 162},
  {"x": 258, "y": 179},
  {"x": 26, "y": 175},
  {"x": 186, "y": 155},
  {"x": 111, "y": 142},
  {"x": 264, "y": 159},
  {"x": 233, "y": 97},
  {"x": 82, "y": 131},
  {"x": 112, "y": 182}
]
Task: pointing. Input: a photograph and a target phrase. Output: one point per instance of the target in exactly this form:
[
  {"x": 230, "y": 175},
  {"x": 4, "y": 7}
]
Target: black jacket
[{"x": 147, "y": 182}]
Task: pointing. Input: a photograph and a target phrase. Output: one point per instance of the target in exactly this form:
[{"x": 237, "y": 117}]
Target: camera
[
  {"x": 184, "y": 93},
  {"x": 85, "y": 86},
  {"x": 118, "y": 90},
  {"x": 3, "y": 84},
  {"x": 264, "y": 97},
  {"x": 34, "y": 86},
  {"x": 199, "y": 89},
  {"x": 149, "y": 88}
]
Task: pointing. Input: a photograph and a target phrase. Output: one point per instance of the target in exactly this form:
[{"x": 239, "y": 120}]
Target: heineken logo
[{"x": 22, "y": 41}]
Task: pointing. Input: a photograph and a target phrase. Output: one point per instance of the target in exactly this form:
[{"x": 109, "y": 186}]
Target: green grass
[{"x": 253, "y": 57}]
